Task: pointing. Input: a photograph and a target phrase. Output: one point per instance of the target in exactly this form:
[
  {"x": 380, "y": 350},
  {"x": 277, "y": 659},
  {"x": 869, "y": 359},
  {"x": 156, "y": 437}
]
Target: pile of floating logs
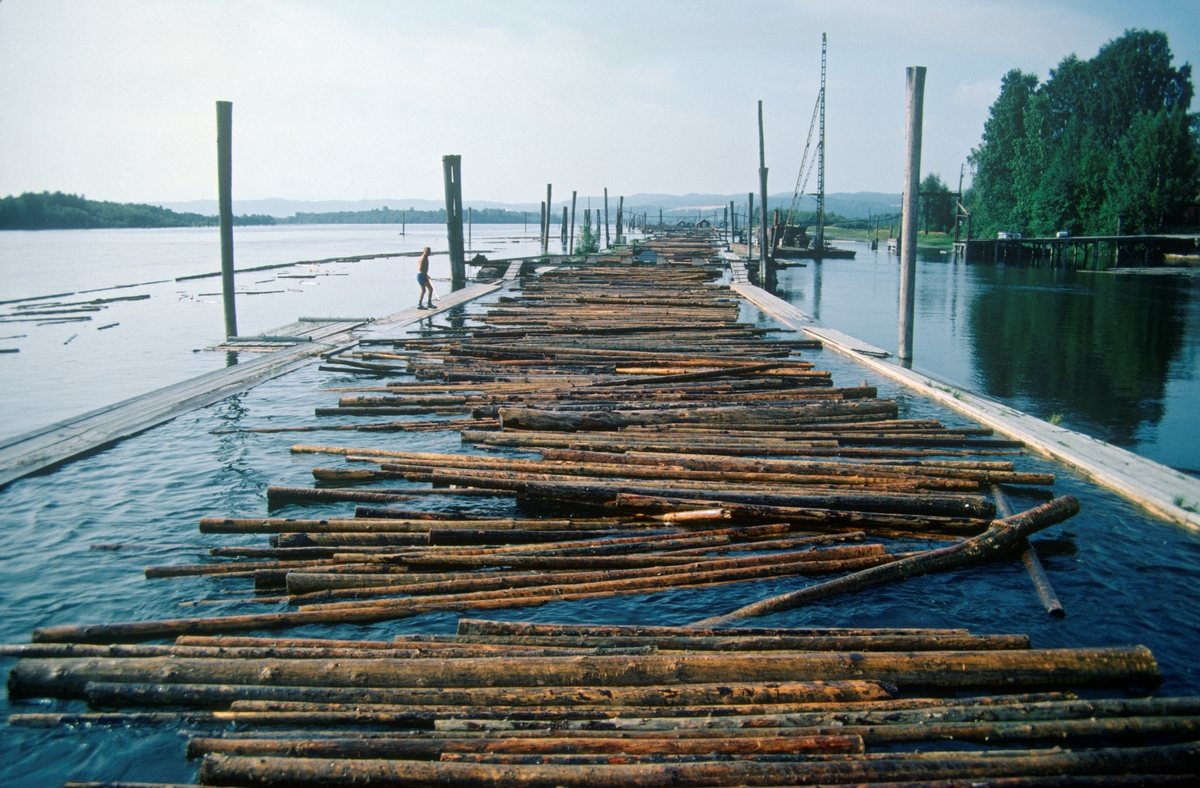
[
  {"x": 504, "y": 703},
  {"x": 639, "y": 439}
]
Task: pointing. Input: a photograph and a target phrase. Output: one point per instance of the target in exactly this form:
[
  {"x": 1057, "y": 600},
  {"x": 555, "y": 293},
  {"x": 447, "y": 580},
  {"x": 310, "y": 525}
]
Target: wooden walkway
[
  {"x": 57, "y": 443},
  {"x": 1155, "y": 487}
]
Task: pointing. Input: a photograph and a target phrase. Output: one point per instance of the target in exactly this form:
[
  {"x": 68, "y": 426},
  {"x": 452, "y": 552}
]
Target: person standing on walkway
[{"x": 423, "y": 280}]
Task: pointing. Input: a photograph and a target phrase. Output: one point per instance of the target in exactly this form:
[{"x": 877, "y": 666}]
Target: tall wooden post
[
  {"x": 470, "y": 242},
  {"x": 762, "y": 183},
  {"x": 546, "y": 222},
  {"x": 620, "y": 217},
  {"x": 542, "y": 227},
  {"x": 908, "y": 229},
  {"x": 607, "y": 241},
  {"x": 750, "y": 227},
  {"x": 563, "y": 227},
  {"x": 452, "y": 172},
  {"x": 571, "y": 247},
  {"x": 732, "y": 221},
  {"x": 225, "y": 209}
]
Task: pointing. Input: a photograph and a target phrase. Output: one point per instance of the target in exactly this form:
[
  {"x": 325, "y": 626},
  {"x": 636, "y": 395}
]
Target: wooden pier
[
  {"x": 674, "y": 447},
  {"x": 1092, "y": 252}
]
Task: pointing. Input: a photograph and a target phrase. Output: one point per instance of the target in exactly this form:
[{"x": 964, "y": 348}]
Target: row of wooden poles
[{"x": 675, "y": 448}]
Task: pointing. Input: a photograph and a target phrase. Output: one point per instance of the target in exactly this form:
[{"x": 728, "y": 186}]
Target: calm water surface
[{"x": 1123, "y": 578}]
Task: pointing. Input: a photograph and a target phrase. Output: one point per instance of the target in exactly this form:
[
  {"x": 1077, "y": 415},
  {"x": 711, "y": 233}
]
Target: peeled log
[{"x": 1003, "y": 537}]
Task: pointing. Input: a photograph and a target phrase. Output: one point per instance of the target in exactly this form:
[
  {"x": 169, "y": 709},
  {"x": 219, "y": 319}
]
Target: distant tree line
[
  {"x": 1102, "y": 140},
  {"x": 58, "y": 211}
]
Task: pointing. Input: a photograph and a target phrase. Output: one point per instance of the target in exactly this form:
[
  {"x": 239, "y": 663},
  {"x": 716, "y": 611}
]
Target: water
[
  {"x": 68, "y": 369},
  {"x": 1115, "y": 357},
  {"x": 1123, "y": 577}
]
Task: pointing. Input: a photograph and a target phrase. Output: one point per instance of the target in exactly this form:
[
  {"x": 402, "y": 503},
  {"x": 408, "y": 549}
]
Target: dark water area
[
  {"x": 1124, "y": 578},
  {"x": 1113, "y": 356}
]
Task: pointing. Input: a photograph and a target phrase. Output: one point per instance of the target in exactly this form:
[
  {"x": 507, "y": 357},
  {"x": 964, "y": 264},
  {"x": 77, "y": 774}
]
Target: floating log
[
  {"x": 245, "y": 770},
  {"x": 729, "y": 694},
  {"x": 67, "y": 677},
  {"x": 1002, "y": 537}
]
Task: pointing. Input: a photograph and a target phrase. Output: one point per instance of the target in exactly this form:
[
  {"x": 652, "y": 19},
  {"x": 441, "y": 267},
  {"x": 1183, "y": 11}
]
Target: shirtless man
[{"x": 423, "y": 280}]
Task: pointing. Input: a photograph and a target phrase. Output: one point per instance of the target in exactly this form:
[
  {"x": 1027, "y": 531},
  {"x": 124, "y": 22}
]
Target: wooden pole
[
  {"x": 620, "y": 217},
  {"x": 452, "y": 172},
  {"x": 225, "y": 203},
  {"x": 546, "y": 222},
  {"x": 762, "y": 184},
  {"x": 469, "y": 222},
  {"x": 571, "y": 245},
  {"x": 750, "y": 227},
  {"x": 607, "y": 240},
  {"x": 563, "y": 227},
  {"x": 908, "y": 231},
  {"x": 542, "y": 227}
]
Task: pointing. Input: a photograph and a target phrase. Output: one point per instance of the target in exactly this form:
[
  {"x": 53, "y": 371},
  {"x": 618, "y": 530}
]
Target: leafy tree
[
  {"x": 1101, "y": 138},
  {"x": 936, "y": 210},
  {"x": 1153, "y": 172}
]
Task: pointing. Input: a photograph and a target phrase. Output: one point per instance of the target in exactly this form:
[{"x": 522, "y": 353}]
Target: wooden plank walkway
[
  {"x": 1160, "y": 490},
  {"x": 65, "y": 440}
]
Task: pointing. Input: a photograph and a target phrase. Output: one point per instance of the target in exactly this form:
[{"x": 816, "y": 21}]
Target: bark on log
[
  {"x": 242, "y": 770},
  {"x": 727, "y": 694},
  {"x": 1001, "y": 538},
  {"x": 1014, "y": 668}
]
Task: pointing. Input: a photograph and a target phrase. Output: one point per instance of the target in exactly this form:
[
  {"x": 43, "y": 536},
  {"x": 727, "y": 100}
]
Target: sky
[{"x": 114, "y": 99}]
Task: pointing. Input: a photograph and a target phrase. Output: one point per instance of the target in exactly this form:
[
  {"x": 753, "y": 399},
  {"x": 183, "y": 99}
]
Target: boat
[{"x": 790, "y": 241}]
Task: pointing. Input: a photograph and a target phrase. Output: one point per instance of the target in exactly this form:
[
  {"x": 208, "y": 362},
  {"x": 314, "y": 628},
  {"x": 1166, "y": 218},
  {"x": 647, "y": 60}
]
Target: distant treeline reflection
[{"x": 1098, "y": 351}]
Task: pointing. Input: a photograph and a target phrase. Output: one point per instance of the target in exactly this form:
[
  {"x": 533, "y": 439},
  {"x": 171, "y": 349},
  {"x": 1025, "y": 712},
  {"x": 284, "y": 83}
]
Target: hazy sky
[{"x": 353, "y": 100}]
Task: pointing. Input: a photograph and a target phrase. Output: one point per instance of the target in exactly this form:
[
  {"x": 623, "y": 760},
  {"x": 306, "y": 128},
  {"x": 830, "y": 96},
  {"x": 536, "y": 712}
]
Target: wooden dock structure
[
  {"x": 1091, "y": 252},
  {"x": 644, "y": 439}
]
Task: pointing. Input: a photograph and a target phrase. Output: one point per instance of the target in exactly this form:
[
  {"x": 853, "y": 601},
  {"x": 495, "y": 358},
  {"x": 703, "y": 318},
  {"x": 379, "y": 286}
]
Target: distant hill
[{"x": 852, "y": 205}]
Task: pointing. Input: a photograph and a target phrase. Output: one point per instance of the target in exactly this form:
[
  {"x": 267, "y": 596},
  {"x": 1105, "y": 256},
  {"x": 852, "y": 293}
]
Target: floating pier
[{"x": 624, "y": 433}]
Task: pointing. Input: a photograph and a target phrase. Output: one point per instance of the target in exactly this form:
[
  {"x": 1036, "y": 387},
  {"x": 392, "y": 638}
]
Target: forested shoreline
[
  {"x": 58, "y": 211},
  {"x": 1103, "y": 145}
]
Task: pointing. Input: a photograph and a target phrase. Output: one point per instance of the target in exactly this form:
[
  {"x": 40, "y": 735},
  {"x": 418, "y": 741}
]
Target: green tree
[
  {"x": 1101, "y": 138},
  {"x": 937, "y": 204},
  {"x": 996, "y": 162},
  {"x": 1154, "y": 172}
]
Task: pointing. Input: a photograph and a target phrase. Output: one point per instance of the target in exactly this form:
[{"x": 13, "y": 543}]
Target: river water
[{"x": 1123, "y": 577}]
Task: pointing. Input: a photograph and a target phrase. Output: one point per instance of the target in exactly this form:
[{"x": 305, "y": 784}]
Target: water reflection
[
  {"x": 1114, "y": 357},
  {"x": 1098, "y": 346}
]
